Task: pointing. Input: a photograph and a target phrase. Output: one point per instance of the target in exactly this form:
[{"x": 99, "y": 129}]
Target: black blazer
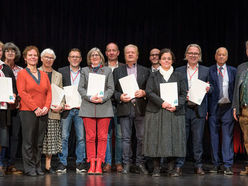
[
  {"x": 123, "y": 109},
  {"x": 153, "y": 92}
]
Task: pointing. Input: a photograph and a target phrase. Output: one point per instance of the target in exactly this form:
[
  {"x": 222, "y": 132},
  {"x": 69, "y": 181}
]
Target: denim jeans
[
  {"x": 118, "y": 142},
  {"x": 80, "y": 136}
]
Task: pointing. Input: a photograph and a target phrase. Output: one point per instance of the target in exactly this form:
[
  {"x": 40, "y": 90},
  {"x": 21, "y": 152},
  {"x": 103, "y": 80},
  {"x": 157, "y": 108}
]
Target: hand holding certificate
[
  {"x": 72, "y": 96},
  {"x": 57, "y": 95},
  {"x": 6, "y": 90},
  {"x": 96, "y": 85},
  {"x": 197, "y": 91},
  {"x": 129, "y": 85},
  {"x": 169, "y": 93}
]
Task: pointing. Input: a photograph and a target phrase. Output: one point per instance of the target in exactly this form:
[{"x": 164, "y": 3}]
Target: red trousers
[{"x": 99, "y": 125}]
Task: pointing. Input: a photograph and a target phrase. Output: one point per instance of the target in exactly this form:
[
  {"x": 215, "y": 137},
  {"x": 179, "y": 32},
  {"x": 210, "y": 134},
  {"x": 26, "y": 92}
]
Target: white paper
[
  {"x": 197, "y": 91},
  {"x": 57, "y": 95},
  {"x": 129, "y": 85},
  {"x": 96, "y": 84},
  {"x": 169, "y": 93},
  {"x": 6, "y": 90},
  {"x": 72, "y": 96}
]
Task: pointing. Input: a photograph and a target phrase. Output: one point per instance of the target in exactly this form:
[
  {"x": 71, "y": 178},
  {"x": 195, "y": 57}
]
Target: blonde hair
[
  {"x": 99, "y": 52},
  {"x": 193, "y": 45}
]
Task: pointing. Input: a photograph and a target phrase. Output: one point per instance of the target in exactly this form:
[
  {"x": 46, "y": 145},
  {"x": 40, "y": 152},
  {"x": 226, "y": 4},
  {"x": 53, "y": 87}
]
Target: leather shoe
[
  {"x": 126, "y": 169},
  {"x": 49, "y": 171},
  {"x": 39, "y": 172},
  {"x": 31, "y": 173},
  {"x": 177, "y": 172},
  {"x": 119, "y": 168},
  {"x": 199, "y": 171},
  {"x": 107, "y": 168}
]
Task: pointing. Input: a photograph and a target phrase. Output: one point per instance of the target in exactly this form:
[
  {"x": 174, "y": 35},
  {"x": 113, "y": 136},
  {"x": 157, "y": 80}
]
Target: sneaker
[
  {"x": 228, "y": 171},
  {"x": 141, "y": 169},
  {"x": 61, "y": 169},
  {"x": 214, "y": 169},
  {"x": 81, "y": 168},
  {"x": 156, "y": 172}
]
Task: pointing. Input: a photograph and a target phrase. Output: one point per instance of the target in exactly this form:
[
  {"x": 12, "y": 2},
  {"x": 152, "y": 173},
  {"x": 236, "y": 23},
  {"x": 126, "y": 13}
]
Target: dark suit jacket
[
  {"x": 153, "y": 92},
  {"x": 213, "y": 97},
  {"x": 123, "y": 109},
  {"x": 203, "y": 74}
]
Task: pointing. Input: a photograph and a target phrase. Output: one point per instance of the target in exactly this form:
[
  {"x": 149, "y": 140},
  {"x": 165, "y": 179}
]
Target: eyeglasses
[
  {"x": 193, "y": 53},
  {"x": 10, "y": 51},
  {"x": 94, "y": 55},
  {"x": 76, "y": 57},
  {"x": 49, "y": 58},
  {"x": 154, "y": 55}
]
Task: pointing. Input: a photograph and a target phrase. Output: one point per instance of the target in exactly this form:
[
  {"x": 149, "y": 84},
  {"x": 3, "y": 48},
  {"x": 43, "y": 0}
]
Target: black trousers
[{"x": 33, "y": 132}]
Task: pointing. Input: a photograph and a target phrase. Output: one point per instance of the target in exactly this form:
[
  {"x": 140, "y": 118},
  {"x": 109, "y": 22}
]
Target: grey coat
[{"x": 96, "y": 110}]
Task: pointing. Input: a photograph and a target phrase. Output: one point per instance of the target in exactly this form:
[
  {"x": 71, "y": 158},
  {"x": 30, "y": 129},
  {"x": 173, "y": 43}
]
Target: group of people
[{"x": 145, "y": 124}]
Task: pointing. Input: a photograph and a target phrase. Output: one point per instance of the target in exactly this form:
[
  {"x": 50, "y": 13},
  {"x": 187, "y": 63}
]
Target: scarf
[{"x": 166, "y": 74}]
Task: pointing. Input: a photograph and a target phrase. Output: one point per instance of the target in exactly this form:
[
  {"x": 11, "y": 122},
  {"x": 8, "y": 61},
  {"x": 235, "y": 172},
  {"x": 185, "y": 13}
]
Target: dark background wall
[{"x": 174, "y": 24}]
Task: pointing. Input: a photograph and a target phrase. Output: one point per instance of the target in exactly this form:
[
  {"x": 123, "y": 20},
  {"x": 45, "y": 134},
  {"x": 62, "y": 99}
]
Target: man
[
  {"x": 112, "y": 52},
  {"x": 71, "y": 76},
  {"x": 131, "y": 112},
  {"x": 154, "y": 59},
  {"x": 195, "y": 114},
  {"x": 240, "y": 102},
  {"x": 222, "y": 79}
]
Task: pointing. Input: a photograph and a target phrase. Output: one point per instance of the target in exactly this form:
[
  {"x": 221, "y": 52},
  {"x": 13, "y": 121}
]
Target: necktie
[{"x": 220, "y": 77}]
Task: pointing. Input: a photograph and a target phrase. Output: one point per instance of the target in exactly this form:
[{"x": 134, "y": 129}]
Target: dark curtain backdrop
[{"x": 62, "y": 25}]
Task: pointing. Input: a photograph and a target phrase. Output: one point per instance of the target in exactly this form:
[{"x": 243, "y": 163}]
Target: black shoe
[
  {"x": 49, "y": 171},
  {"x": 228, "y": 171},
  {"x": 81, "y": 168},
  {"x": 176, "y": 172},
  {"x": 61, "y": 169},
  {"x": 156, "y": 172},
  {"x": 215, "y": 169},
  {"x": 126, "y": 169},
  {"x": 40, "y": 172},
  {"x": 141, "y": 169},
  {"x": 31, "y": 173}
]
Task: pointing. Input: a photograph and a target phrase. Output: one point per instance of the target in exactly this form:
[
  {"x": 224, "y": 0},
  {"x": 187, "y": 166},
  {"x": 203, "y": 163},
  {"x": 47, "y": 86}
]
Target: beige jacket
[{"x": 57, "y": 80}]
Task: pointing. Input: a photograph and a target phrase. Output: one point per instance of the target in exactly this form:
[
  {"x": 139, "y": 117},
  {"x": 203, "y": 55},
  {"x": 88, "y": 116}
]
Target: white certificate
[
  {"x": 197, "y": 91},
  {"x": 57, "y": 95},
  {"x": 6, "y": 90},
  {"x": 169, "y": 93},
  {"x": 129, "y": 85},
  {"x": 72, "y": 96},
  {"x": 96, "y": 84}
]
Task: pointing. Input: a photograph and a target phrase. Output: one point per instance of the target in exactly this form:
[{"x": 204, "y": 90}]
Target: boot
[
  {"x": 92, "y": 168},
  {"x": 98, "y": 166}
]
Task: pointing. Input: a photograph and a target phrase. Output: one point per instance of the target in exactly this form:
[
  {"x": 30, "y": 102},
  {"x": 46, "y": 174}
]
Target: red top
[{"x": 33, "y": 95}]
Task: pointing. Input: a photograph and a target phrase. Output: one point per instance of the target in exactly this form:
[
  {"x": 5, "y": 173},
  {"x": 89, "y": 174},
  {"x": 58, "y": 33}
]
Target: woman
[
  {"x": 164, "y": 123},
  {"x": 96, "y": 111},
  {"x": 5, "y": 71},
  {"x": 35, "y": 91},
  {"x": 11, "y": 55},
  {"x": 52, "y": 140}
]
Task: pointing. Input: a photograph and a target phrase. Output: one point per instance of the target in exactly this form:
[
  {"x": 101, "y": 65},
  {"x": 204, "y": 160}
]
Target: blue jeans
[
  {"x": 118, "y": 142},
  {"x": 80, "y": 136}
]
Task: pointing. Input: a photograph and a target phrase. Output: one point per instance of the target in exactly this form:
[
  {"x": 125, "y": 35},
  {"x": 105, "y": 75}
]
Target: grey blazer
[
  {"x": 57, "y": 80},
  {"x": 96, "y": 110}
]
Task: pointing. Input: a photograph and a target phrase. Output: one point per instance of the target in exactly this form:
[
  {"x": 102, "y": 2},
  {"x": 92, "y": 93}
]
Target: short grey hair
[
  {"x": 193, "y": 45},
  {"x": 12, "y": 46},
  {"x": 48, "y": 51},
  {"x": 95, "y": 49}
]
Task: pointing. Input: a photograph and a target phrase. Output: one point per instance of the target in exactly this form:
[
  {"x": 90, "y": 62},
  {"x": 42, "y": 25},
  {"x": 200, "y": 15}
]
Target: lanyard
[
  {"x": 73, "y": 79},
  {"x": 190, "y": 76},
  {"x": 221, "y": 72}
]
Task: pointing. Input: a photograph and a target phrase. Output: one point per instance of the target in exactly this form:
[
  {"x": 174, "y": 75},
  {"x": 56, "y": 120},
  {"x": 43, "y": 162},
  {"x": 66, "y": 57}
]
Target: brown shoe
[
  {"x": 13, "y": 170},
  {"x": 119, "y": 168},
  {"x": 199, "y": 171},
  {"x": 244, "y": 172},
  {"x": 107, "y": 168}
]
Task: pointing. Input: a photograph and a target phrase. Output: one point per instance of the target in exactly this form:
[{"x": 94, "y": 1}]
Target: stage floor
[{"x": 71, "y": 178}]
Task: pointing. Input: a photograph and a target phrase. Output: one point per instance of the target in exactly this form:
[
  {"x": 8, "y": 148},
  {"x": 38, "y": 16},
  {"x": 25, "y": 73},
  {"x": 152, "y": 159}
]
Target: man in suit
[
  {"x": 222, "y": 79},
  {"x": 71, "y": 76},
  {"x": 240, "y": 102},
  {"x": 195, "y": 114},
  {"x": 154, "y": 59},
  {"x": 131, "y": 111},
  {"x": 112, "y": 52}
]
